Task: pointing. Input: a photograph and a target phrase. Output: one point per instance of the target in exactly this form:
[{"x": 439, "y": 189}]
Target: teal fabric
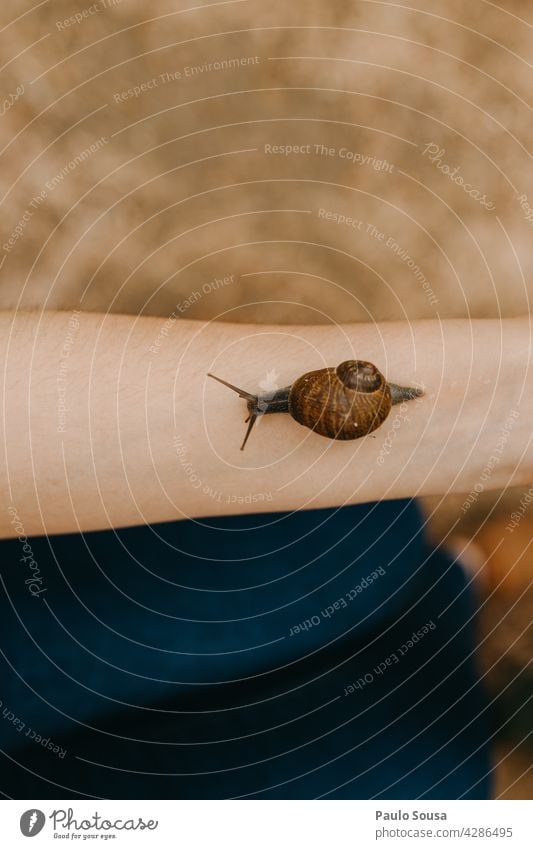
[{"x": 324, "y": 653}]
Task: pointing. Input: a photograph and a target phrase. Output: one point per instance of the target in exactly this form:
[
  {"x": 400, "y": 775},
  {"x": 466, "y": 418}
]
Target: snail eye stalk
[
  {"x": 251, "y": 400},
  {"x": 276, "y": 401},
  {"x": 252, "y": 418},
  {"x": 241, "y": 392}
]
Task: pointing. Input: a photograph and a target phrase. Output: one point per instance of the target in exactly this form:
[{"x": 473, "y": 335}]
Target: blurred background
[{"x": 291, "y": 162}]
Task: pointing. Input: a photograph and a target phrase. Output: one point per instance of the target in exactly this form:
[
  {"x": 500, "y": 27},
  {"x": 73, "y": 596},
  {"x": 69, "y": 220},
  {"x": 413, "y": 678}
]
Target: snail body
[{"x": 346, "y": 402}]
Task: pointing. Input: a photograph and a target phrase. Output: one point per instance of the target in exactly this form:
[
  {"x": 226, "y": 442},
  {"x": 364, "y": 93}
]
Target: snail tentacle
[
  {"x": 241, "y": 392},
  {"x": 258, "y": 405},
  {"x": 252, "y": 418}
]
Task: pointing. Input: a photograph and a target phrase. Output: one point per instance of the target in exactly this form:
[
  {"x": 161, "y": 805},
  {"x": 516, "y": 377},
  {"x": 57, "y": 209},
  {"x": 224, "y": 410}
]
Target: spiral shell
[{"x": 346, "y": 402}]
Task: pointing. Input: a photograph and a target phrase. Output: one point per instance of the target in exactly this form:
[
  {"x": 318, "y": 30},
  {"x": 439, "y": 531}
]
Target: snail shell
[{"x": 345, "y": 402}]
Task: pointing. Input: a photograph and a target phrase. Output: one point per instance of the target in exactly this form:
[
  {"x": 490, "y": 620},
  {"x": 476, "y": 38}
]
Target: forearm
[{"x": 120, "y": 425}]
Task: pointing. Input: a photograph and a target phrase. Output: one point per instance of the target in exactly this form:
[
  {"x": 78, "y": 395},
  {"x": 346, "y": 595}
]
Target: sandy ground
[{"x": 158, "y": 157}]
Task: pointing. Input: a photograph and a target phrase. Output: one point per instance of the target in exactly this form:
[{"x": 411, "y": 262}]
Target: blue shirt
[{"x": 324, "y": 653}]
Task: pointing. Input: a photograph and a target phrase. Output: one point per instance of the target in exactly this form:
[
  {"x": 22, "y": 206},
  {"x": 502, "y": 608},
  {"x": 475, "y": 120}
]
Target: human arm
[{"x": 146, "y": 437}]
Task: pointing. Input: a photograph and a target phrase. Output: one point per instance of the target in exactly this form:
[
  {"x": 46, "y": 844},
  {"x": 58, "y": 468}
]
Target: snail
[{"x": 345, "y": 402}]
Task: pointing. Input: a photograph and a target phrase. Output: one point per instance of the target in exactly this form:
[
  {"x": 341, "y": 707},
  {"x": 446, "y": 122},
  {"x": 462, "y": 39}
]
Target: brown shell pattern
[{"x": 320, "y": 401}]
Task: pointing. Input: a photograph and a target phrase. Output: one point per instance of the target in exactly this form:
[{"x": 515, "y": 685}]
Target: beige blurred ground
[{"x": 179, "y": 190}]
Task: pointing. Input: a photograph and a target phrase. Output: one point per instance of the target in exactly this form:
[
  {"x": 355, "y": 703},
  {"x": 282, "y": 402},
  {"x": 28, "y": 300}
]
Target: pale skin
[{"x": 111, "y": 421}]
